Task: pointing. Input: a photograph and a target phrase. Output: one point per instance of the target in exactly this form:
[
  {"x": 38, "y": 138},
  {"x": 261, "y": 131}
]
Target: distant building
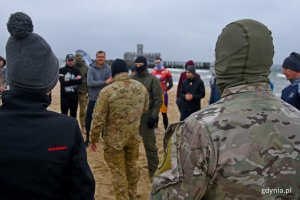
[{"x": 129, "y": 57}]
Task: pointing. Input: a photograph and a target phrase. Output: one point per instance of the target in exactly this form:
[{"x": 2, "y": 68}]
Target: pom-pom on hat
[
  {"x": 30, "y": 62},
  {"x": 292, "y": 62}
]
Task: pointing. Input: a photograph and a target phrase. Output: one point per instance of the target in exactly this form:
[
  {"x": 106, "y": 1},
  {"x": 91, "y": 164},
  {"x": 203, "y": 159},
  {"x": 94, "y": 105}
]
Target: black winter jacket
[
  {"x": 42, "y": 153},
  {"x": 195, "y": 87}
]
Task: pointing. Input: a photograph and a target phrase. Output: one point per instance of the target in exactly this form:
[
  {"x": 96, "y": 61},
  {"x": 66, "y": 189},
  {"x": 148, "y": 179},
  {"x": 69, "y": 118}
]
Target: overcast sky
[{"x": 179, "y": 30}]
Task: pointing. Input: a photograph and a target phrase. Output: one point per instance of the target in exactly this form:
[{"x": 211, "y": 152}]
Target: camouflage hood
[{"x": 244, "y": 53}]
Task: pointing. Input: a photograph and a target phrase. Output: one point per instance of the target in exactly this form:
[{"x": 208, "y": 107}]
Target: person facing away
[
  {"x": 99, "y": 75},
  {"x": 81, "y": 66},
  {"x": 192, "y": 91},
  {"x": 43, "y": 155},
  {"x": 117, "y": 114},
  {"x": 291, "y": 69},
  {"x": 3, "y": 85},
  {"x": 166, "y": 82},
  {"x": 244, "y": 145},
  {"x": 148, "y": 119},
  {"x": 70, "y": 79},
  {"x": 182, "y": 78}
]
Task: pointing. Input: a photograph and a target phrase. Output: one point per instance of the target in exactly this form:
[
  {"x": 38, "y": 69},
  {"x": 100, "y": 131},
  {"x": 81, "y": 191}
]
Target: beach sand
[{"x": 104, "y": 189}]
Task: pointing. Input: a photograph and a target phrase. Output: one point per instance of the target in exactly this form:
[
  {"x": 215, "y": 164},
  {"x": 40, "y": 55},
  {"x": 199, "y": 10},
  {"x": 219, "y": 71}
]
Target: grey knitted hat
[{"x": 30, "y": 62}]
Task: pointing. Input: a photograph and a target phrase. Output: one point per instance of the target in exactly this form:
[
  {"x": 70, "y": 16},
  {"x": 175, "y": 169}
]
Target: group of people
[{"x": 235, "y": 148}]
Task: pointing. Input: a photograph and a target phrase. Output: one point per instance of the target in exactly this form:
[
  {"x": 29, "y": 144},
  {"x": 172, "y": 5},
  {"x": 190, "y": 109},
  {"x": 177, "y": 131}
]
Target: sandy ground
[{"x": 104, "y": 189}]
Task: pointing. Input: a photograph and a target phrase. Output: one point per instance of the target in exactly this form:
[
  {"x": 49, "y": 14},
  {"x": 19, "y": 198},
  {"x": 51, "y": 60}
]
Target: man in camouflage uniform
[
  {"x": 117, "y": 113},
  {"x": 148, "y": 120},
  {"x": 246, "y": 144},
  {"x": 82, "y": 90}
]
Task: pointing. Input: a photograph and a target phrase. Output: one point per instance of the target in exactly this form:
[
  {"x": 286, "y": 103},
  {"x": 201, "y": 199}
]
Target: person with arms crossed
[
  {"x": 99, "y": 75},
  {"x": 81, "y": 66}
]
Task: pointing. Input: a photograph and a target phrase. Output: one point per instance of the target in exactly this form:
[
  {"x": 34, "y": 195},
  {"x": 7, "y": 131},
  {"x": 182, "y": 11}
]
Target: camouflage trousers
[
  {"x": 124, "y": 168},
  {"x": 149, "y": 140},
  {"x": 82, "y": 102}
]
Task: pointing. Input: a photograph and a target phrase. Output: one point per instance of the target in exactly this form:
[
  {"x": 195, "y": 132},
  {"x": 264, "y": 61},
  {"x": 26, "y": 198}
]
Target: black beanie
[
  {"x": 118, "y": 66},
  {"x": 292, "y": 62},
  {"x": 141, "y": 59}
]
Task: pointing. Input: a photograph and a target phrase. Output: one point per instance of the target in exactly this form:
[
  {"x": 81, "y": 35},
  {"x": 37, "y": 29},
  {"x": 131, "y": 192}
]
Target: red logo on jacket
[{"x": 57, "y": 148}]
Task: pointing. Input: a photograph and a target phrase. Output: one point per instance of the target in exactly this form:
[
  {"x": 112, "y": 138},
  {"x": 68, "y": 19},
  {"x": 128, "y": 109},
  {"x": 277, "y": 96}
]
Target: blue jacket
[{"x": 291, "y": 94}]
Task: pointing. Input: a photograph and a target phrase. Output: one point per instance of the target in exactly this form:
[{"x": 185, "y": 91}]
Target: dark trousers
[
  {"x": 165, "y": 120},
  {"x": 89, "y": 117},
  {"x": 149, "y": 140},
  {"x": 184, "y": 113},
  {"x": 69, "y": 103}
]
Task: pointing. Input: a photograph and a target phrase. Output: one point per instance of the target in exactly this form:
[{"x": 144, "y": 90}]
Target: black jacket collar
[{"x": 24, "y": 100}]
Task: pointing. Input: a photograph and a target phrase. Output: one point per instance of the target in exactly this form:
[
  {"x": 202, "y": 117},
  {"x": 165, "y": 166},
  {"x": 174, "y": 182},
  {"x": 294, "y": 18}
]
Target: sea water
[{"x": 278, "y": 79}]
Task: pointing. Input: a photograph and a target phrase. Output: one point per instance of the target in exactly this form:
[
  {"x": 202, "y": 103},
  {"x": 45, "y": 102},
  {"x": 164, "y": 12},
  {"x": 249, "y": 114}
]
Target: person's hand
[
  {"x": 93, "y": 147},
  {"x": 78, "y": 77},
  {"x": 109, "y": 80},
  {"x": 151, "y": 122}
]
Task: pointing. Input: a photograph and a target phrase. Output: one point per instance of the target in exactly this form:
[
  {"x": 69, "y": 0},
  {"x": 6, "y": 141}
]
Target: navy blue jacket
[
  {"x": 42, "y": 153},
  {"x": 291, "y": 94}
]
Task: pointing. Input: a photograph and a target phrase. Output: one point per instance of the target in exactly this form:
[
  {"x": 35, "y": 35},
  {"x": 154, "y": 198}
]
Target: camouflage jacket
[
  {"x": 118, "y": 111},
  {"x": 2, "y": 79},
  {"x": 83, "y": 68},
  {"x": 245, "y": 146}
]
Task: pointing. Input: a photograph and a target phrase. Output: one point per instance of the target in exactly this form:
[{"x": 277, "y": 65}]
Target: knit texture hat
[
  {"x": 292, "y": 62},
  {"x": 31, "y": 64},
  {"x": 191, "y": 68},
  {"x": 141, "y": 59},
  {"x": 118, "y": 66},
  {"x": 189, "y": 63},
  {"x": 244, "y": 54},
  {"x": 4, "y": 61}
]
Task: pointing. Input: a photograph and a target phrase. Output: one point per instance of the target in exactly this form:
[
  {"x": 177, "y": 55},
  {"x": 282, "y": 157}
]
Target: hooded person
[
  {"x": 47, "y": 157},
  {"x": 291, "y": 69},
  {"x": 148, "y": 119},
  {"x": 117, "y": 115},
  {"x": 241, "y": 145}
]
